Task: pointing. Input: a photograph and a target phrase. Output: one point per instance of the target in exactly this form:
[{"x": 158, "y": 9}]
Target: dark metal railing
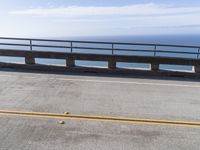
[{"x": 113, "y": 47}]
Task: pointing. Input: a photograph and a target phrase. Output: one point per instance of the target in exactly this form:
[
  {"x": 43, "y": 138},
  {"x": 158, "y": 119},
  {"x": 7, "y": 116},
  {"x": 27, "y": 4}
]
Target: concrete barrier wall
[{"x": 70, "y": 58}]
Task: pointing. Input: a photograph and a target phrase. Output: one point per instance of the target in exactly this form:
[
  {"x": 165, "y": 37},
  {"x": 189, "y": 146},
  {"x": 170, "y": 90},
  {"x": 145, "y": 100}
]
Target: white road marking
[
  {"x": 131, "y": 82},
  {"x": 106, "y": 81}
]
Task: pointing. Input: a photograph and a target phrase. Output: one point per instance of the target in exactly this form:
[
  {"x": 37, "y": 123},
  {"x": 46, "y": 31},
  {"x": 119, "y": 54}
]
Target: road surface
[{"x": 140, "y": 98}]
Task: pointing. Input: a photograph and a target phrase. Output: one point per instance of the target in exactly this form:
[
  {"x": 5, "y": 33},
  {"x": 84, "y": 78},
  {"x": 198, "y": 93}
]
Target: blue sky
[{"x": 65, "y": 18}]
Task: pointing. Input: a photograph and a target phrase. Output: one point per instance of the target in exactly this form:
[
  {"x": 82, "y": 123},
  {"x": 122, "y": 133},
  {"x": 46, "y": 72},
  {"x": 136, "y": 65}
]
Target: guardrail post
[
  {"x": 154, "y": 66},
  {"x": 30, "y": 60},
  {"x": 198, "y": 53},
  {"x": 112, "y": 64},
  {"x": 71, "y": 45},
  {"x": 70, "y": 61},
  {"x": 155, "y": 50},
  {"x": 112, "y": 48},
  {"x": 31, "y": 47}
]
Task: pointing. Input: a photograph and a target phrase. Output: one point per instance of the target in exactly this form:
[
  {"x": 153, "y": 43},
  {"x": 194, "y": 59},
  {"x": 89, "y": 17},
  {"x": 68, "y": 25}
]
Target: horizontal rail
[
  {"x": 95, "y": 42},
  {"x": 113, "y": 47},
  {"x": 98, "y": 48},
  {"x": 134, "y": 50}
]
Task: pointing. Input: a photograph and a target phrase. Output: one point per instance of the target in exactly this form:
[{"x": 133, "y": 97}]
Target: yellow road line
[{"x": 143, "y": 121}]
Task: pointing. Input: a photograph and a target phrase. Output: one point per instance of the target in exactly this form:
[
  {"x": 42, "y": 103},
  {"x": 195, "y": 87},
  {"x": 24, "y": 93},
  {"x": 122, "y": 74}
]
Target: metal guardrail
[{"x": 112, "y": 46}]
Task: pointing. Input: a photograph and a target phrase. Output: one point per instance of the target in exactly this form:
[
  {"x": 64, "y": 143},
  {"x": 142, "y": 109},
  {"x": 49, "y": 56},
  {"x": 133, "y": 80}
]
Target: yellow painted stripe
[{"x": 143, "y": 121}]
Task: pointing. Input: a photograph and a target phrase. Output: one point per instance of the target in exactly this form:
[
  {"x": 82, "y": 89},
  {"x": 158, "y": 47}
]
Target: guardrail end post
[
  {"x": 29, "y": 60},
  {"x": 112, "y": 64},
  {"x": 196, "y": 68},
  {"x": 154, "y": 66},
  {"x": 70, "y": 61}
]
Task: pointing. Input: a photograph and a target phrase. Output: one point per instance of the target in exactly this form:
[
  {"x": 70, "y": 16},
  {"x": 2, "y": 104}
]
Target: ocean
[{"x": 191, "y": 40}]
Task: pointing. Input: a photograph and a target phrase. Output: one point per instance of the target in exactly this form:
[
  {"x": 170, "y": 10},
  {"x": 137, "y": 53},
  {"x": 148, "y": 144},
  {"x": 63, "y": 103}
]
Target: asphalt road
[{"x": 104, "y": 96}]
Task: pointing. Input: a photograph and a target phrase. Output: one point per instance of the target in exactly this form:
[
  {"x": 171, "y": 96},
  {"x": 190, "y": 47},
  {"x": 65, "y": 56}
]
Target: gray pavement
[{"x": 107, "y": 96}]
